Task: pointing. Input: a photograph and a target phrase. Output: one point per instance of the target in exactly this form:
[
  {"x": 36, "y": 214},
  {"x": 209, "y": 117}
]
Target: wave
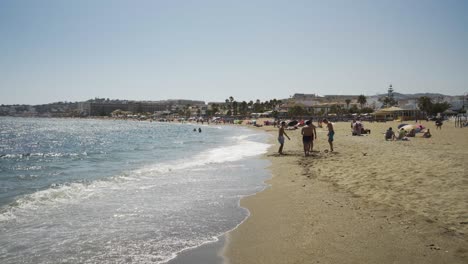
[
  {"x": 75, "y": 192},
  {"x": 39, "y": 154}
]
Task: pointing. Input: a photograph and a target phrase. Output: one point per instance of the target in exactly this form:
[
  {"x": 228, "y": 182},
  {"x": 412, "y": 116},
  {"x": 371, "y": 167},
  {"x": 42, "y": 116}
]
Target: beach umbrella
[
  {"x": 417, "y": 128},
  {"x": 408, "y": 127},
  {"x": 292, "y": 123}
]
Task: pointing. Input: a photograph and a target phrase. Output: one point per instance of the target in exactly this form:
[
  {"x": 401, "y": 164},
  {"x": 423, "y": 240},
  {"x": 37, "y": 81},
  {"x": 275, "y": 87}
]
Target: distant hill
[{"x": 400, "y": 96}]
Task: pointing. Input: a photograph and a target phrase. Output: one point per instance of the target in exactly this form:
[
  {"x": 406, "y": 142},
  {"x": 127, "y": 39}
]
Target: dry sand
[{"x": 371, "y": 201}]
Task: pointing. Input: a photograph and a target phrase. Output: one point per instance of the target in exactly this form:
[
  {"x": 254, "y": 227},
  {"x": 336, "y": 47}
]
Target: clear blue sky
[{"x": 210, "y": 50}]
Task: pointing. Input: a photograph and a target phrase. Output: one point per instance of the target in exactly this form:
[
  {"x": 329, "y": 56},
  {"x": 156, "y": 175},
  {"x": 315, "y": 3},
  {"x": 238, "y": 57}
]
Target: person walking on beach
[
  {"x": 307, "y": 137},
  {"x": 330, "y": 134},
  {"x": 314, "y": 137},
  {"x": 281, "y": 135},
  {"x": 438, "y": 123}
]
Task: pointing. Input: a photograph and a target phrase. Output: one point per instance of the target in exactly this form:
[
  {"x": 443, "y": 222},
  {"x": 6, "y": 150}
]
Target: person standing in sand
[
  {"x": 281, "y": 135},
  {"x": 307, "y": 137},
  {"x": 438, "y": 123},
  {"x": 315, "y": 136},
  {"x": 331, "y": 133}
]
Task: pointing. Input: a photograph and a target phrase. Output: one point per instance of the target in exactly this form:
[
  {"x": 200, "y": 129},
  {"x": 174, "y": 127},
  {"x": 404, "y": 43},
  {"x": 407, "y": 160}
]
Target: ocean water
[{"x": 108, "y": 191}]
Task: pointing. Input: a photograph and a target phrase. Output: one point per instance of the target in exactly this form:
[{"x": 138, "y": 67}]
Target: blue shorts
[
  {"x": 330, "y": 135},
  {"x": 281, "y": 140}
]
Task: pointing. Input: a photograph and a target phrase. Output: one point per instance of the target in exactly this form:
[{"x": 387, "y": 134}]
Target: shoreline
[
  {"x": 213, "y": 252},
  {"x": 208, "y": 253},
  {"x": 319, "y": 210}
]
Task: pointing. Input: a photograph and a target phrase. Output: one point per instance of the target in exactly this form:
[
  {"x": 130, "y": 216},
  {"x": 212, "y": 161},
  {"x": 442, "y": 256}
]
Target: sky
[{"x": 210, "y": 50}]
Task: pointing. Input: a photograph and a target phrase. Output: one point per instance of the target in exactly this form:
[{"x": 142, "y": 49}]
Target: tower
[{"x": 390, "y": 92}]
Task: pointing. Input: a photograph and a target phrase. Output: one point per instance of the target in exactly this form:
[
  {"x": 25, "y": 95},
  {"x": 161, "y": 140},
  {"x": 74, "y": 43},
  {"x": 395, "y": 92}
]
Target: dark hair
[
  {"x": 283, "y": 123},
  {"x": 308, "y": 122}
]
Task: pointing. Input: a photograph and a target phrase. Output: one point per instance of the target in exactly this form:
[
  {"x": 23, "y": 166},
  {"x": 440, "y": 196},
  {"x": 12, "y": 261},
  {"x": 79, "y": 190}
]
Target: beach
[{"x": 369, "y": 201}]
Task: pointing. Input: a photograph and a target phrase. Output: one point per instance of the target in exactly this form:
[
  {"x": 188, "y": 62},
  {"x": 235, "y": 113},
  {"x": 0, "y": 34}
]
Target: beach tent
[
  {"x": 418, "y": 128},
  {"x": 394, "y": 112},
  {"x": 293, "y": 123},
  {"x": 450, "y": 112}
]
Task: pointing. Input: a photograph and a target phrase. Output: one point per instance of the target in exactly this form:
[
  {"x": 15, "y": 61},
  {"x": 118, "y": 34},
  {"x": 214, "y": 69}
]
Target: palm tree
[
  {"x": 228, "y": 105},
  {"x": 362, "y": 100},
  {"x": 235, "y": 108},
  {"x": 425, "y": 104},
  {"x": 257, "y": 106},
  {"x": 296, "y": 111},
  {"x": 214, "y": 108},
  {"x": 243, "y": 108},
  {"x": 348, "y": 101}
]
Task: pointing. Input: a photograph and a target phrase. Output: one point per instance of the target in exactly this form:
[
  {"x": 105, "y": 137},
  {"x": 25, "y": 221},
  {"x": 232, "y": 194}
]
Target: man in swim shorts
[
  {"x": 281, "y": 135},
  {"x": 330, "y": 134},
  {"x": 307, "y": 137}
]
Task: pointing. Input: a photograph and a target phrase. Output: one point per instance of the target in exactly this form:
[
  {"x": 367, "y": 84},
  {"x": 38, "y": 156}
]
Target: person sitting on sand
[
  {"x": 412, "y": 133},
  {"x": 358, "y": 128},
  {"x": 389, "y": 135},
  {"x": 402, "y": 134},
  {"x": 427, "y": 134},
  {"x": 307, "y": 137},
  {"x": 281, "y": 135},
  {"x": 353, "y": 127},
  {"x": 365, "y": 131}
]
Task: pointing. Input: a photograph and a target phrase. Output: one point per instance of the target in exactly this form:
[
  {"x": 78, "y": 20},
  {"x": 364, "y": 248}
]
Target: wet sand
[
  {"x": 209, "y": 253},
  {"x": 370, "y": 201}
]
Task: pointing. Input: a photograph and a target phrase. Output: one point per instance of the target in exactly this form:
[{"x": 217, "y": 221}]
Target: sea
[{"x": 120, "y": 191}]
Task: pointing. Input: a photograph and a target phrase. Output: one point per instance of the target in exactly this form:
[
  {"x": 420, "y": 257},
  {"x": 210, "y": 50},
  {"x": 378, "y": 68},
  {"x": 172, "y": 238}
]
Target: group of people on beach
[
  {"x": 404, "y": 135},
  {"x": 309, "y": 134},
  {"x": 357, "y": 128}
]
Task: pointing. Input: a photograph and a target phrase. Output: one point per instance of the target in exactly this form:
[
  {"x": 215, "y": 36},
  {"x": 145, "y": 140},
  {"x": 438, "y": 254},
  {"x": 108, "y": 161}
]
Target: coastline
[
  {"x": 356, "y": 206},
  {"x": 208, "y": 253},
  {"x": 212, "y": 252}
]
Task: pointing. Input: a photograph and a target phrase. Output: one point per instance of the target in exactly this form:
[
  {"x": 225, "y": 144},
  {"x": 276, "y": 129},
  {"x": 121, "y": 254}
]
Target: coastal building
[
  {"x": 147, "y": 107},
  {"x": 100, "y": 108},
  {"x": 304, "y": 100},
  {"x": 397, "y": 113},
  {"x": 408, "y": 104},
  {"x": 374, "y": 102},
  {"x": 106, "y": 107}
]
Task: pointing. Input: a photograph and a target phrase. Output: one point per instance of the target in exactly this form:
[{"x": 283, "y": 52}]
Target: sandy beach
[{"x": 370, "y": 201}]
